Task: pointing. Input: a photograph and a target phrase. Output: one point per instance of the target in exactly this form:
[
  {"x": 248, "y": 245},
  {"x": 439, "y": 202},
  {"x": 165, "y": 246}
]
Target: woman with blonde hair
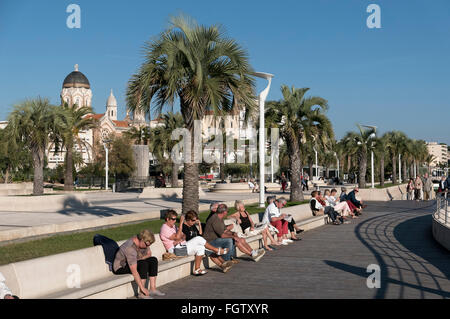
[{"x": 244, "y": 220}]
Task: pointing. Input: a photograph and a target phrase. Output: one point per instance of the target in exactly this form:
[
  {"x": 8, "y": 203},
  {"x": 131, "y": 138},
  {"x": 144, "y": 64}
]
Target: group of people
[
  {"x": 214, "y": 239},
  {"x": 421, "y": 188},
  {"x": 339, "y": 209}
]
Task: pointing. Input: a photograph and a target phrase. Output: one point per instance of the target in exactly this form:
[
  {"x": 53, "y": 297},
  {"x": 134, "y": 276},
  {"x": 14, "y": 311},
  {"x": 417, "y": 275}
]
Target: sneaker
[
  {"x": 226, "y": 266},
  {"x": 259, "y": 255},
  {"x": 157, "y": 293},
  {"x": 235, "y": 261},
  {"x": 142, "y": 296},
  {"x": 284, "y": 242},
  {"x": 289, "y": 241}
]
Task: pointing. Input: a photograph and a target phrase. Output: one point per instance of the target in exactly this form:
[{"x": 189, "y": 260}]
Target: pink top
[{"x": 165, "y": 233}]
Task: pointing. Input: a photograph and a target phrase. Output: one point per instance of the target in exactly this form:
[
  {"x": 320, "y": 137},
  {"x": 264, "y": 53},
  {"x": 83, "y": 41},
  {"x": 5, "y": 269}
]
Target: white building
[{"x": 439, "y": 151}]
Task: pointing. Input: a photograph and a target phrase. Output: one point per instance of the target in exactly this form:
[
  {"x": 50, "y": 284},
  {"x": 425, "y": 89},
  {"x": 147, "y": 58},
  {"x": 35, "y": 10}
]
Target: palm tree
[
  {"x": 298, "y": 118},
  {"x": 71, "y": 120},
  {"x": 380, "y": 153},
  {"x": 361, "y": 144},
  {"x": 395, "y": 144},
  {"x": 139, "y": 134},
  {"x": 161, "y": 143},
  {"x": 33, "y": 124},
  {"x": 203, "y": 69}
]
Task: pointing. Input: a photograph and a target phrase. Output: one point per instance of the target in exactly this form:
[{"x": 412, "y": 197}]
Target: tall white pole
[
  {"x": 399, "y": 168},
  {"x": 107, "y": 166},
  {"x": 271, "y": 165},
  {"x": 373, "y": 173},
  {"x": 262, "y": 139}
]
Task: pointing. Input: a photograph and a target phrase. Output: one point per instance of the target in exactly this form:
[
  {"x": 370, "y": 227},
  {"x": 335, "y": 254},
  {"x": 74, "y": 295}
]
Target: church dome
[
  {"x": 111, "y": 100},
  {"x": 76, "y": 79}
]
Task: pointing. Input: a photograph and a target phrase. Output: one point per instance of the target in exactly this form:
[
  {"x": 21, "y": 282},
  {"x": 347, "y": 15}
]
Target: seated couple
[
  {"x": 282, "y": 222},
  {"x": 355, "y": 205},
  {"x": 249, "y": 228},
  {"x": 187, "y": 241},
  {"x": 337, "y": 204},
  {"x": 319, "y": 207}
]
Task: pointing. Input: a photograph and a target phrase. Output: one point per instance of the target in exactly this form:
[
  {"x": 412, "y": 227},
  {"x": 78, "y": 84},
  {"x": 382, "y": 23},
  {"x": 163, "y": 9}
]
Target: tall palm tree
[
  {"x": 33, "y": 123},
  {"x": 361, "y": 144},
  {"x": 380, "y": 153},
  {"x": 203, "y": 69},
  {"x": 395, "y": 144},
  {"x": 71, "y": 120},
  {"x": 298, "y": 118},
  {"x": 161, "y": 143}
]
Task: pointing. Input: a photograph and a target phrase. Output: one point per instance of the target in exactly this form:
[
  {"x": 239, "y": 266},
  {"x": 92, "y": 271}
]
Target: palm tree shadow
[{"x": 75, "y": 206}]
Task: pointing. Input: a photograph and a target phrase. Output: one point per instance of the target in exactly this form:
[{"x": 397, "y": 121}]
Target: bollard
[{"x": 114, "y": 187}]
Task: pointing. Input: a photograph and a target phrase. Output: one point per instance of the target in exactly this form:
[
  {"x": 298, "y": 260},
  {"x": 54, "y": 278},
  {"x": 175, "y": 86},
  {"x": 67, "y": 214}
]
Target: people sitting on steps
[
  {"x": 5, "y": 292},
  {"x": 193, "y": 228},
  {"x": 341, "y": 207},
  {"x": 319, "y": 209},
  {"x": 278, "y": 220},
  {"x": 135, "y": 257},
  {"x": 219, "y": 235},
  {"x": 247, "y": 225}
]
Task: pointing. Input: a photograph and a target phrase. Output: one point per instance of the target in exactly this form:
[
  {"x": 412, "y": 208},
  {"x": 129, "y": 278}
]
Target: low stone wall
[
  {"x": 441, "y": 233},
  {"x": 165, "y": 192},
  {"x": 397, "y": 192},
  {"x": 42, "y": 203}
]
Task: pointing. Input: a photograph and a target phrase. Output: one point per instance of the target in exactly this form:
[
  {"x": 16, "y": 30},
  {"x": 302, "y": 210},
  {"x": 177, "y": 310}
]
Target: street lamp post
[
  {"x": 399, "y": 168},
  {"x": 262, "y": 99},
  {"x": 373, "y": 135},
  {"x": 105, "y": 145}
]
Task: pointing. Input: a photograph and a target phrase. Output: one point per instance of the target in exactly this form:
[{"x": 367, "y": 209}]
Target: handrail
[{"x": 442, "y": 213}]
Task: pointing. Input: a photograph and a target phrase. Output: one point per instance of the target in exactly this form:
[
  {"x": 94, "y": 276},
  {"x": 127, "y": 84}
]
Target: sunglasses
[
  {"x": 193, "y": 220},
  {"x": 173, "y": 218},
  {"x": 147, "y": 243}
]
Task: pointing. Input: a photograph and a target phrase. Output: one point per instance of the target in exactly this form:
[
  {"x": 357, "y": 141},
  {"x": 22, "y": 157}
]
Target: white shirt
[
  {"x": 271, "y": 211},
  {"x": 4, "y": 290},
  {"x": 330, "y": 201}
]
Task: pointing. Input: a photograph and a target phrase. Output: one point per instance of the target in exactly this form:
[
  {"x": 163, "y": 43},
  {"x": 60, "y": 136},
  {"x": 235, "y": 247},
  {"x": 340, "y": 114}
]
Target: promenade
[{"x": 331, "y": 262}]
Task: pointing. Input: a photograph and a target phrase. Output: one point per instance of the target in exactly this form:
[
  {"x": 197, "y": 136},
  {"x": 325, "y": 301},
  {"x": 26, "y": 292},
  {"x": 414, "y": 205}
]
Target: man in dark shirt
[{"x": 352, "y": 198}]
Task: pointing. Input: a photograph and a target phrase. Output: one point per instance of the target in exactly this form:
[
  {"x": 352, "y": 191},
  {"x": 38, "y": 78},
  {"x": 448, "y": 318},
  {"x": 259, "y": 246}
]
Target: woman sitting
[
  {"x": 135, "y": 257},
  {"x": 248, "y": 226},
  {"x": 330, "y": 199}
]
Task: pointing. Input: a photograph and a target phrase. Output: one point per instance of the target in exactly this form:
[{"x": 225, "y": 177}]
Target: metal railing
[{"x": 442, "y": 210}]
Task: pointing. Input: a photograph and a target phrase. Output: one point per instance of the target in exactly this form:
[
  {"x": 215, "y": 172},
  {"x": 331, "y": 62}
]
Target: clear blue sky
[{"x": 396, "y": 77}]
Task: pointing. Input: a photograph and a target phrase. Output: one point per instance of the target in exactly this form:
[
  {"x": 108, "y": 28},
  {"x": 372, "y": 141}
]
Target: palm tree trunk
[
  {"x": 38, "y": 165},
  {"x": 174, "y": 175},
  {"x": 394, "y": 169},
  {"x": 295, "y": 171},
  {"x": 362, "y": 169},
  {"x": 311, "y": 172},
  {"x": 68, "y": 178},
  {"x": 404, "y": 171},
  {"x": 190, "y": 181},
  {"x": 382, "y": 170}
]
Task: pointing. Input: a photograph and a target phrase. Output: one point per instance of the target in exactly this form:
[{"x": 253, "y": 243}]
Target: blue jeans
[{"x": 224, "y": 243}]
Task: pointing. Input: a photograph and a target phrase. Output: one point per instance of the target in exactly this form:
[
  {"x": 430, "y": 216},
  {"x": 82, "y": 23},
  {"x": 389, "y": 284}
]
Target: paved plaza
[{"x": 331, "y": 262}]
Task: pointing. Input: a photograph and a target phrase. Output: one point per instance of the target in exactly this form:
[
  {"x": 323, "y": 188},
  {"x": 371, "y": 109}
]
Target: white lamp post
[
  {"x": 399, "y": 168},
  {"x": 105, "y": 145},
  {"x": 338, "y": 164},
  {"x": 262, "y": 139}
]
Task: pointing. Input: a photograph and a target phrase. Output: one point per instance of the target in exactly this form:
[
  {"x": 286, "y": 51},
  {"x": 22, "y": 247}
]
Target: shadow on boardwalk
[{"x": 409, "y": 257}]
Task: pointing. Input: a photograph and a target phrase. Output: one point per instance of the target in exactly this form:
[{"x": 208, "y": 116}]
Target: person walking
[
  {"x": 410, "y": 189},
  {"x": 417, "y": 188},
  {"x": 427, "y": 188}
]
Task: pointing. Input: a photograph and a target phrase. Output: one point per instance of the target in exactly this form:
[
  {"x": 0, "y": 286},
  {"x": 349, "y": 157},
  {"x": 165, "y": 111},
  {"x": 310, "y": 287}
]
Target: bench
[{"x": 54, "y": 277}]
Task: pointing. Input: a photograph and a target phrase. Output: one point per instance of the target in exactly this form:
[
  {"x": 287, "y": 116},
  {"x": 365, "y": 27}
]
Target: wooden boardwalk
[{"x": 331, "y": 262}]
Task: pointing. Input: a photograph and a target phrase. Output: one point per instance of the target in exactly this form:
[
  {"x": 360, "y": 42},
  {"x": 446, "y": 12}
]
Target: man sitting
[
  {"x": 277, "y": 220},
  {"x": 219, "y": 235},
  {"x": 352, "y": 198},
  {"x": 319, "y": 209}
]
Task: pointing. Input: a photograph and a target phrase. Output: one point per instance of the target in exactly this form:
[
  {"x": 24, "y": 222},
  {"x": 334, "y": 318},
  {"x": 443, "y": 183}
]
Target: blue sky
[{"x": 396, "y": 77}]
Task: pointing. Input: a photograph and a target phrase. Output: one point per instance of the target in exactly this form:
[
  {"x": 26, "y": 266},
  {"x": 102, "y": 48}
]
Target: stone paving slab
[{"x": 331, "y": 262}]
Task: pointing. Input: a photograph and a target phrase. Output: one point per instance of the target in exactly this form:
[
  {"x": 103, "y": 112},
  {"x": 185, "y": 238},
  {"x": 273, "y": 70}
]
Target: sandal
[
  {"x": 199, "y": 272},
  {"x": 223, "y": 252}
]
